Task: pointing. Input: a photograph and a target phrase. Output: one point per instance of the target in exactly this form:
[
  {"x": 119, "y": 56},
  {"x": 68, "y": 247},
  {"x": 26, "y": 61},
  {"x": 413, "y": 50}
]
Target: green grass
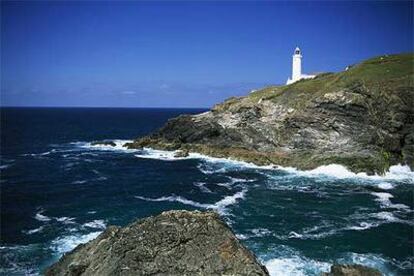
[
  {"x": 379, "y": 71},
  {"x": 380, "y": 76}
]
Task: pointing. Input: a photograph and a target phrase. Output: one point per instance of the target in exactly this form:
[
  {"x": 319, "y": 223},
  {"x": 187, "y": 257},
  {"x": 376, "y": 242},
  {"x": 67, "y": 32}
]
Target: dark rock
[
  {"x": 351, "y": 270},
  {"x": 172, "y": 243},
  {"x": 103, "y": 143}
]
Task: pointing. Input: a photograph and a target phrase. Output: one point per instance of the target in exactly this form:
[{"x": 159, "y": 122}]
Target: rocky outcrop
[
  {"x": 351, "y": 270},
  {"x": 362, "y": 118},
  {"x": 172, "y": 243}
]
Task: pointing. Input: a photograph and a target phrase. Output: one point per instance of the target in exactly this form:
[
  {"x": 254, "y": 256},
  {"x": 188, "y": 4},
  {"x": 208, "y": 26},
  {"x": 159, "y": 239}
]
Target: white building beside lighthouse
[{"x": 297, "y": 68}]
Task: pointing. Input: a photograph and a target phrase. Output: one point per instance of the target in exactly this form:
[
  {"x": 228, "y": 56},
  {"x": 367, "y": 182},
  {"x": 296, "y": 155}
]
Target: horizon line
[{"x": 125, "y": 107}]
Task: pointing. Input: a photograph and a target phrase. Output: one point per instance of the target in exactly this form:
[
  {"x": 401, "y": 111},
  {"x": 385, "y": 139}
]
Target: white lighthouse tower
[{"x": 297, "y": 68}]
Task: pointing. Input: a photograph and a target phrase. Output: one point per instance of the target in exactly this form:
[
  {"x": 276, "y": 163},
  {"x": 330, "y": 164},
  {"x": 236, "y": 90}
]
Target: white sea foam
[
  {"x": 295, "y": 265},
  {"x": 149, "y": 153},
  {"x": 65, "y": 220},
  {"x": 202, "y": 187},
  {"x": 119, "y": 146},
  {"x": 97, "y": 224},
  {"x": 385, "y": 201},
  {"x": 219, "y": 206},
  {"x": 40, "y": 154},
  {"x": 67, "y": 243},
  {"x": 385, "y": 186},
  {"x": 79, "y": 181},
  {"x": 370, "y": 260},
  {"x": 3, "y": 167},
  {"x": 396, "y": 172},
  {"x": 36, "y": 230},
  {"x": 41, "y": 217}
]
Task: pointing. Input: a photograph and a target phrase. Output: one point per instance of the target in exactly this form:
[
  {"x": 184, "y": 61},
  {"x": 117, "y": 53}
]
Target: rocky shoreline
[{"x": 362, "y": 118}]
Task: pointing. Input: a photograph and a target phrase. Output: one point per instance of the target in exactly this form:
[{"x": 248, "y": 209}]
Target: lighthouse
[{"x": 297, "y": 68}]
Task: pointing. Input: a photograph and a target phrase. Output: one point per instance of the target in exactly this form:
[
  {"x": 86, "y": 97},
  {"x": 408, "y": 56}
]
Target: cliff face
[
  {"x": 172, "y": 243},
  {"x": 362, "y": 118}
]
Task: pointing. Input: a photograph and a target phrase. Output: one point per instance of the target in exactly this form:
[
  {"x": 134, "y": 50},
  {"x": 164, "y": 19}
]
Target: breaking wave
[
  {"x": 219, "y": 206},
  {"x": 65, "y": 244}
]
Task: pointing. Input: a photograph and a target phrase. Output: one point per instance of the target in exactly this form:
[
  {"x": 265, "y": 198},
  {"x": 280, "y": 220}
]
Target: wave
[
  {"x": 65, "y": 244},
  {"x": 18, "y": 259},
  {"x": 3, "y": 167},
  {"x": 119, "y": 146},
  {"x": 97, "y": 224},
  {"x": 385, "y": 186},
  {"x": 79, "y": 181},
  {"x": 148, "y": 153},
  {"x": 371, "y": 260},
  {"x": 292, "y": 262},
  {"x": 33, "y": 231},
  {"x": 384, "y": 200},
  {"x": 396, "y": 172},
  {"x": 65, "y": 220},
  {"x": 202, "y": 187},
  {"x": 219, "y": 206},
  {"x": 40, "y": 217},
  {"x": 296, "y": 266}
]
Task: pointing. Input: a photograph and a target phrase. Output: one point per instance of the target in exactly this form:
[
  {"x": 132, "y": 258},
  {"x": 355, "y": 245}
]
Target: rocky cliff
[
  {"x": 362, "y": 118},
  {"x": 172, "y": 243}
]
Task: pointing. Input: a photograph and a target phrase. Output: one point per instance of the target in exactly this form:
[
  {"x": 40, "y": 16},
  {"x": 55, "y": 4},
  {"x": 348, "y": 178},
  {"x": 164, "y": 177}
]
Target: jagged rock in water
[
  {"x": 172, "y": 243},
  {"x": 362, "y": 118},
  {"x": 351, "y": 270}
]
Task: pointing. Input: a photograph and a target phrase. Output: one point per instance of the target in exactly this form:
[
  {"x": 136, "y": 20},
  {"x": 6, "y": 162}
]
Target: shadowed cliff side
[
  {"x": 172, "y": 243},
  {"x": 362, "y": 118}
]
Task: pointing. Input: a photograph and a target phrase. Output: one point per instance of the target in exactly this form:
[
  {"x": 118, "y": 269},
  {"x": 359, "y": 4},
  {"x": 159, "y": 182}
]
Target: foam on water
[
  {"x": 396, "y": 172},
  {"x": 370, "y": 260},
  {"x": 119, "y": 146},
  {"x": 96, "y": 224},
  {"x": 41, "y": 217},
  {"x": 65, "y": 220},
  {"x": 65, "y": 244},
  {"x": 36, "y": 230},
  {"x": 149, "y": 153},
  {"x": 202, "y": 187},
  {"x": 385, "y": 201},
  {"x": 385, "y": 186},
  {"x": 290, "y": 262},
  {"x": 219, "y": 206}
]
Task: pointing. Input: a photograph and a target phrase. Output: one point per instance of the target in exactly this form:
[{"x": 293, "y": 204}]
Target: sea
[{"x": 58, "y": 191}]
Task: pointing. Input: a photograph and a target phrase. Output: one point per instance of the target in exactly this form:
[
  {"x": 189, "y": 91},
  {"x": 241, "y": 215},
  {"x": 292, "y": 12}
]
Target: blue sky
[{"x": 182, "y": 54}]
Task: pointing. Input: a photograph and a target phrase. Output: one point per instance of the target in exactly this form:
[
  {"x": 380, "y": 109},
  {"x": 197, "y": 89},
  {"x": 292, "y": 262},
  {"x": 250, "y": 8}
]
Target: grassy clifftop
[{"x": 383, "y": 72}]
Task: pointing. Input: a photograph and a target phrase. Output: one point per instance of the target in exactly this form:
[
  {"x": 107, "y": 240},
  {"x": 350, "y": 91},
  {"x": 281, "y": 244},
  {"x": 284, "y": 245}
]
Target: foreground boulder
[
  {"x": 352, "y": 270},
  {"x": 172, "y": 243},
  {"x": 362, "y": 118}
]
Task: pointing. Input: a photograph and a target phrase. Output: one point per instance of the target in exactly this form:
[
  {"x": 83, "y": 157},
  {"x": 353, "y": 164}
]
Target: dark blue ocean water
[{"x": 58, "y": 191}]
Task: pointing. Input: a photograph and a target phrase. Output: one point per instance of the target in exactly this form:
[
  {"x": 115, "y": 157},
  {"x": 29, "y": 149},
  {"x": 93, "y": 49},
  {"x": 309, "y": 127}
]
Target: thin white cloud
[{"x": 129, "y": 92}]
